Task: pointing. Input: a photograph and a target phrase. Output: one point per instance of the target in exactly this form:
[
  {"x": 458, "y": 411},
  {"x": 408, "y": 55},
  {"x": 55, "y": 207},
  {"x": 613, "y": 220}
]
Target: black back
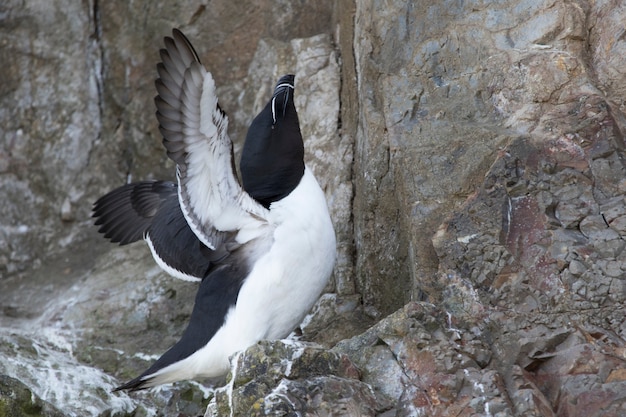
[{"x": 272, "y": 160}]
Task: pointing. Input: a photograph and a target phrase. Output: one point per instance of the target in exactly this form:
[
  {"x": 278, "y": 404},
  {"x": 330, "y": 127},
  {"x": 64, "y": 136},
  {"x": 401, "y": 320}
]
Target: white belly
[{"x": 283, "y": 285}]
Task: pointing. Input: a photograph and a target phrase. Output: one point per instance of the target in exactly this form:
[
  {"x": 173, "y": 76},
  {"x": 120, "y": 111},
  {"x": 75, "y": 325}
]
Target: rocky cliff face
[{"x": 473, "y": 157}]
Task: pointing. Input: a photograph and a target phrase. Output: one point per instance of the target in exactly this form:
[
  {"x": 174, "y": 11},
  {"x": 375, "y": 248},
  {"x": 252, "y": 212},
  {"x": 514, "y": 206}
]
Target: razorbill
[{"x": 262, "y": 252}]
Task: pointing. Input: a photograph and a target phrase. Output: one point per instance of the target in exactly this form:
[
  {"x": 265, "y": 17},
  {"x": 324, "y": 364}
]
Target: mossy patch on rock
[
  {"x": 291, "y": 377},
  {"x": 17, "y": 400}
]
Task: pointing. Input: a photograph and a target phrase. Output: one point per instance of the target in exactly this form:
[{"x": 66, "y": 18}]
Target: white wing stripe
[
  {"x": 193, "y": 225},
  {"x": 164, "y": 266}
]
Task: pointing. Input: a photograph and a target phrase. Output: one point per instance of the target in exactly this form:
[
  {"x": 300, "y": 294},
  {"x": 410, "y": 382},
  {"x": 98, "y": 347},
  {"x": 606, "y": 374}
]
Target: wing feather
[
  {"x": 194, "y": 130},
  {"x": 150, "y": 210}
]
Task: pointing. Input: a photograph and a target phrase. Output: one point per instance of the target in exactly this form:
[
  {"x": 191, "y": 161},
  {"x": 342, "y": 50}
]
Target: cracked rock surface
[
  {"x": 286, "y": 378},
  {"x": 472, "y": 154}
]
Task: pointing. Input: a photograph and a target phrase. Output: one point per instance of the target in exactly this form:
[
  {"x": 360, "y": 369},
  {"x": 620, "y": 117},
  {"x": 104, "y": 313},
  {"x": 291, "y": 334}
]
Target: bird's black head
[{"x": 272, "y": 160}]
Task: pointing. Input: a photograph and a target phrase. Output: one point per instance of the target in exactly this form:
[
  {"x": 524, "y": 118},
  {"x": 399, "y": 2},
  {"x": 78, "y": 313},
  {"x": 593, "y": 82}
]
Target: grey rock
[
  {"x": 48, "y": 106},
  {"x": 286, "y": 377},
  {"x": 45, "y": 366},
  {"x": 335, "y": 318},
  {"x": 17, "y": 400},
  {"x": 596, "y": 228},
  {"x": 529, "y": 245},
  {"x": 320, "y": 396},
  {"x": 419, "y": 363}
]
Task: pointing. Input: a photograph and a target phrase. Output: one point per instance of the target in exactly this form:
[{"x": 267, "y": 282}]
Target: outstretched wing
[
  {"x": 194, "y": 130},
  {"x": 149, "y": 210}
]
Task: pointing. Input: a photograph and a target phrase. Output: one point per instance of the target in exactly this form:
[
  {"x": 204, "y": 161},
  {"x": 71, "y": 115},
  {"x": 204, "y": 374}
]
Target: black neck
[{"x": 272, "y": 160}]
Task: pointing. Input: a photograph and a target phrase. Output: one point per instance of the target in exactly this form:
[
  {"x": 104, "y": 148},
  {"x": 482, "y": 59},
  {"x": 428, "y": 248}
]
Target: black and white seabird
[{"x": 262, "y": 253}]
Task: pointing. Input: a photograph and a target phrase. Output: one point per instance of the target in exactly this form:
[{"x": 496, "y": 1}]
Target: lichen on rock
[{"x": 290, "y": 377}]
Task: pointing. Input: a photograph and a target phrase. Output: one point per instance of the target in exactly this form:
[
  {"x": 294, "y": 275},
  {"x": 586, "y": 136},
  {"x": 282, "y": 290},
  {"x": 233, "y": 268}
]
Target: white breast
[
  {"x": 290, "y": 278},
  {"x": 284, "y": 284}
]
